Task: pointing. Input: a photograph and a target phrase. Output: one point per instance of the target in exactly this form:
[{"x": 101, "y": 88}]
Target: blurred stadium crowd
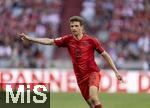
[{"x": 122, "y": 26}]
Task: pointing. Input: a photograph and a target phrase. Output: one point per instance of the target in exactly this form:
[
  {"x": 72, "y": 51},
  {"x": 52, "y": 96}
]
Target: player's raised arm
[
  {"x": 44, "y": 41},
  {"x": 112, "y": 65}
]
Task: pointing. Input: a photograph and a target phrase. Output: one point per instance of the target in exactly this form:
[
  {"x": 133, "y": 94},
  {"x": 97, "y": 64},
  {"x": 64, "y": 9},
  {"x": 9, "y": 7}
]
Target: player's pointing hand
[{"x": 23, "y": 36}]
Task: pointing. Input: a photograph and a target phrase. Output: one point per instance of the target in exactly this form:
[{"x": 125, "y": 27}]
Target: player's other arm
[
  {"x": 107, "y": 57},
  {"x": 44, "y": 41}
]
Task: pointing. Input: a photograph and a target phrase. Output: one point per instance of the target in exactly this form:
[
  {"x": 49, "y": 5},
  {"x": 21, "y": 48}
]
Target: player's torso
[
  {"x": 80, "y": 49},
  {"x": 82, "y": 54}
]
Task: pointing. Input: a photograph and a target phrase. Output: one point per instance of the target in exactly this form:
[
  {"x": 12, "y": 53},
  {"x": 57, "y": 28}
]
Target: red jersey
[{"x": 82, "y": 54}]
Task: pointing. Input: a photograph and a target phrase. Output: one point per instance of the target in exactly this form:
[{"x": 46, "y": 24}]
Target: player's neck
[{"x": 78, "y": 37}]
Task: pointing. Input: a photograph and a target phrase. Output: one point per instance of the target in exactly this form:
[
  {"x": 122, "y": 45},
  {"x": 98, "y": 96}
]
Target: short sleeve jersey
[{"x": 82, "y": 54}]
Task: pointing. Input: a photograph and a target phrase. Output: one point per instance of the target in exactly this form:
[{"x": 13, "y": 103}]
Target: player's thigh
[
  {"x": 94, "y": 81},
  {"x": 87, "y": 88},
  {"x": 93, "y": 91}
]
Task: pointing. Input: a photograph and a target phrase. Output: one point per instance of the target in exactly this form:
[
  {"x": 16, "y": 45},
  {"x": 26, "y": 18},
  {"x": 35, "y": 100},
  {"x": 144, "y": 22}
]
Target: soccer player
[{"x": 81, "y": 48}]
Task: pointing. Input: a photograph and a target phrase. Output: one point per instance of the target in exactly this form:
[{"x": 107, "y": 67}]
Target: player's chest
[{"x": 82, "y": 45}]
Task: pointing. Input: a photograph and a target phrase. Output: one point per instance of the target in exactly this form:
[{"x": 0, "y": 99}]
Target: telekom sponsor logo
[{"x": 64, "y": 80}]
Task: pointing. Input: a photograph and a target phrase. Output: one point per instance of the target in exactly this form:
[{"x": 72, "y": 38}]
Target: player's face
[{"x": 76, "y": 28}]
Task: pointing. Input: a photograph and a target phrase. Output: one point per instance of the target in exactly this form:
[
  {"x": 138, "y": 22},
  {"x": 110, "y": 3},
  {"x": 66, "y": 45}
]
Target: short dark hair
[{"x": 78, "y": 19}]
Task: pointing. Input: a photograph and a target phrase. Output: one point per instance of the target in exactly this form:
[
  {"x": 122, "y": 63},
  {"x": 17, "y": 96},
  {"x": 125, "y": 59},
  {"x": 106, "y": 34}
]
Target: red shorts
[{"x": 93, "y": 80}]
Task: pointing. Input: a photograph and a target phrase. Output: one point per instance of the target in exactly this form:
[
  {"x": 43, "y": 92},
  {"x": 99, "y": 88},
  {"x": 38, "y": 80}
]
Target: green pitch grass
[{"x": 75, "y": 100}]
